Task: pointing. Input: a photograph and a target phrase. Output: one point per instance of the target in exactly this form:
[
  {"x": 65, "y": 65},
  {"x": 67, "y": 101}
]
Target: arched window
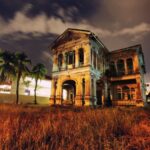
[
  {"x": 81, "y": 56},
  {"x": 130, "y": 65},
  {"x": 60, "y": 59},
  {"x": 112, "y": 68},
  {"x": 70, "y": 57},
  {"x": 120, "y": 67},
  {"x": 126, "y": 93}
]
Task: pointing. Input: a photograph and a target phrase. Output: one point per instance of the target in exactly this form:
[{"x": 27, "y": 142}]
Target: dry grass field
[{"x": 40, "y": 128}]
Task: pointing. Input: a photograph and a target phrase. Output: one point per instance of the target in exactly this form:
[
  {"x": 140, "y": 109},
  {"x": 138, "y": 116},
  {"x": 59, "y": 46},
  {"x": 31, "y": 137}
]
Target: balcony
[{"x": 121, "y": 74}]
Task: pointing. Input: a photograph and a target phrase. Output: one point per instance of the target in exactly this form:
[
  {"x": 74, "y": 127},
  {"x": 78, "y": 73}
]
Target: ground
[{"x": 72, "y": 128}]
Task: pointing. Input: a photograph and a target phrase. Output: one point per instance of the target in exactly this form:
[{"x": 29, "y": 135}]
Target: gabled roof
[
  {"x": 134, "y": 47},
  {"x": 87, "y": 32},
  {"x": 67, "y": 30},
  {"x": 79, "y": 30}
]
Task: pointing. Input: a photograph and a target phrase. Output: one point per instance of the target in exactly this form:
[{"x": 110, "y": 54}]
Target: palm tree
[
  {"x": 38, "y": 72},
  {"x": 21, "y": 67},
  {"x": 7, "y": 69}
]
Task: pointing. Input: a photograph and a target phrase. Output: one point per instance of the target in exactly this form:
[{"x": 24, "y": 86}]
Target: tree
[
  {"x": 7, "y": 69},
  {"x": 38, "y": 72},
  {"x": 21, "y": 68}
]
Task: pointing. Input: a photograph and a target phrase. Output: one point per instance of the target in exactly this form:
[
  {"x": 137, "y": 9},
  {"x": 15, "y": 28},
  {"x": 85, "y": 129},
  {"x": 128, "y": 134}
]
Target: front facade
[{"x": 86, "y": 73}]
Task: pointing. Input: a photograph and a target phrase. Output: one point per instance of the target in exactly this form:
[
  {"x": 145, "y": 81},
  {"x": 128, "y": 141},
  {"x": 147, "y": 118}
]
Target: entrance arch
[{"x": 69, "y": 91}]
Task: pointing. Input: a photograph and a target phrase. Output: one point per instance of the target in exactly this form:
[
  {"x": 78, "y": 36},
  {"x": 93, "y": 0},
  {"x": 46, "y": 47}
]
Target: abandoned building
[{"x": 86, "y": 73}]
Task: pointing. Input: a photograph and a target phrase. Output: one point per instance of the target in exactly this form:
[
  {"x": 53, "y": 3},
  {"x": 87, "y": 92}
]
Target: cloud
[
  {"x": 41, "y": 24},
  {"x": 141, "y": 28}
]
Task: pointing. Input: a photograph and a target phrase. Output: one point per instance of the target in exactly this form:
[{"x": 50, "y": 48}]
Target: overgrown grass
[{"x": 74, "y": 129}]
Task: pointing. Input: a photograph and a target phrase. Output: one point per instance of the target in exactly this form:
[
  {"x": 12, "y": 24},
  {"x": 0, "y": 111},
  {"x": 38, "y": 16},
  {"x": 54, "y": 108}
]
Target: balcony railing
[{"x": 119, "y": 74}]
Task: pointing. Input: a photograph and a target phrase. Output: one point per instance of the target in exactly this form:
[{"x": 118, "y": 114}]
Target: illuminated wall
[
  {"x": 27, "y": 87},
  {"x": 98, "y": 75}
]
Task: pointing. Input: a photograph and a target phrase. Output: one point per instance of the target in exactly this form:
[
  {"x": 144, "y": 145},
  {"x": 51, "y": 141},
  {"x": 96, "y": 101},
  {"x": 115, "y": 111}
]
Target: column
[
  {"x": 95, "y": 88},
  {"x": 76, "y": 58},
  {"x": 125, "y": 65},
  {"x": 139, "y": 94},
  {"x": 83, "y": 92},
  {"x": 96, "y": 60},
  {"x": 78, "y": 99},
  {"x": 58, "y": 91},
  {"x": 64, "y": 61},
  {"x": 105, "y": 92},
  {"x": 53, "y": 92},
  {"x": 55, "y": 63},
  {"x": 115, "y": 63},
  {"x": 91, "y": 57},
  {"x": 88, "y": 90}
]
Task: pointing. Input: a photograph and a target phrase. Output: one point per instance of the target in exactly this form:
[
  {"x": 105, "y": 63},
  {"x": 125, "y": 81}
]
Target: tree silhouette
[{"x": 38, "y": 72}]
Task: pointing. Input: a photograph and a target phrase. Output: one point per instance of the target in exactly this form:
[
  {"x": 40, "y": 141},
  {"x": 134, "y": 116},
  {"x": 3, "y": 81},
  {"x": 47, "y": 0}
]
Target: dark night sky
[{"x": 31, "y": 25}]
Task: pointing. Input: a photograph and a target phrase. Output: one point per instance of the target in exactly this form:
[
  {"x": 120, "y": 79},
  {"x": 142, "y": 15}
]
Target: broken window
[
  {"x": 130, "y": 65},
  {"x": 120, "y": 67},
  {"x": 81, "y": 56}
]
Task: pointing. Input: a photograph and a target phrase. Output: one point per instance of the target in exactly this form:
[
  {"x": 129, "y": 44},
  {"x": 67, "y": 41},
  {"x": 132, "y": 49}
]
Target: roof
[
  {"x": 91, "y": 34},
  {"x": 79, "y": 30},
  {"x": 127, "y": 48}
]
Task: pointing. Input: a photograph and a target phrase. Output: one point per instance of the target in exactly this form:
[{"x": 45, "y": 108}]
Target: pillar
[
  {"x": 58, "y": 91},
  {"x": 55, "y": 63},
  {"x": 88, "y": 90},
  {"x": 78, "y": 99},
  {"x": 53, "y": 92},
  {"x": 105, "y": 92},
  {"x": 125, "y": 65},
  {"x": 139, "y": 94},
  {"x": 76, "y": 58},
  {"x": 64, "y": 61}
]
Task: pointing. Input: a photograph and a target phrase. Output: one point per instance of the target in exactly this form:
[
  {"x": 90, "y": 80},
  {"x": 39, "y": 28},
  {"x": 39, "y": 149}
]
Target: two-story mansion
[{"x": 86, "y": 73}]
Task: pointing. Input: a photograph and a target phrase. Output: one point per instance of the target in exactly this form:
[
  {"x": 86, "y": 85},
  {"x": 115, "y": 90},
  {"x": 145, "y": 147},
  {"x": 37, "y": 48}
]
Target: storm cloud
[{"x": 32, "y": 25}]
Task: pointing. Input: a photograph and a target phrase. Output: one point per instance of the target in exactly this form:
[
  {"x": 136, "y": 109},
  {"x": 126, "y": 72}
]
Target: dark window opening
[
  {"x": 130, "y": 65},
  {"x": 120, "y": 67},
  {"x": 126, "y": 93},
  {"x": 119, "y": 94},
  {"x": 60, "y": 60},
  {"x": 81, "y": 56},
  {"x": 112, "y": 68},
  {"x": 70, "y": 58}
]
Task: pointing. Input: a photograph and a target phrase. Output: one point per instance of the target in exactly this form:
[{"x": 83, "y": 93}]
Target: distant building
[
  {"x": 26, "y": 90},
  {"x": 85, "y": 72}
]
